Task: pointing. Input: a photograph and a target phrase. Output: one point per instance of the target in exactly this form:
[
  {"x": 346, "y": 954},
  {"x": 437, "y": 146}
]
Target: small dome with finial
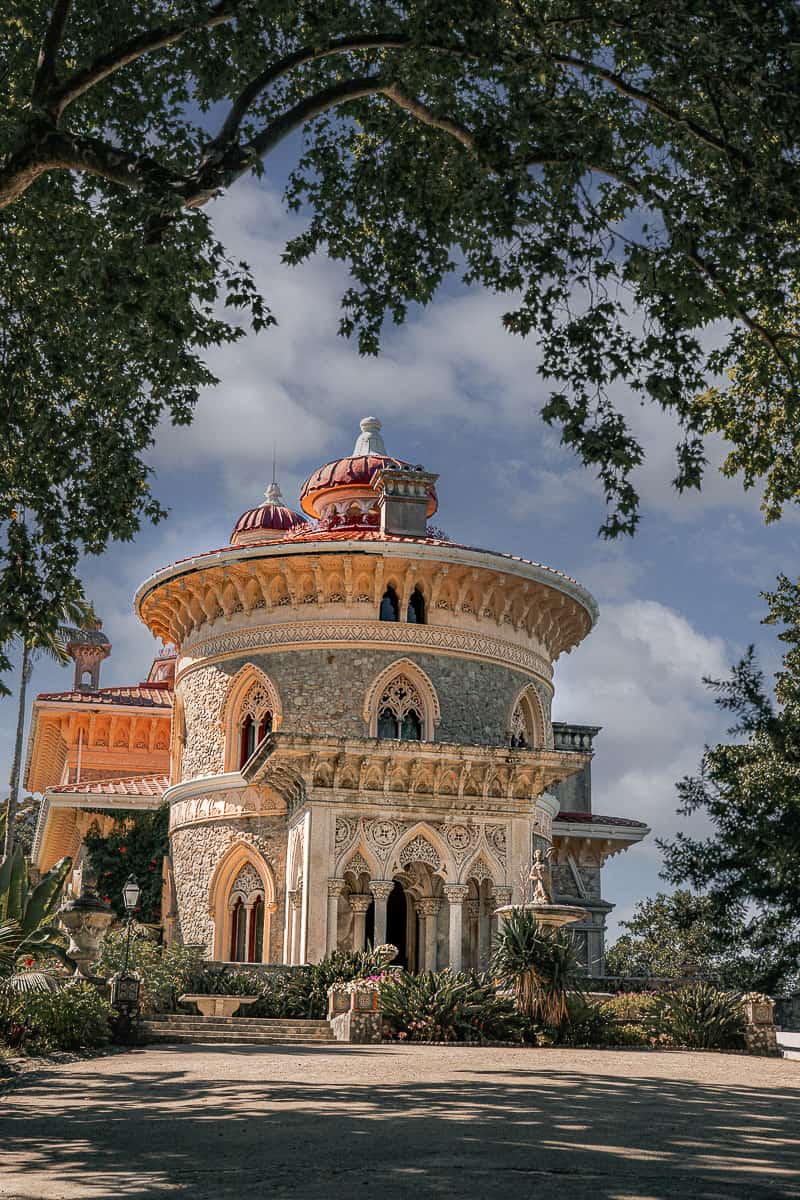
[
  {"x": 269, "y": 522},
  {"x": 340, "y": 494}
]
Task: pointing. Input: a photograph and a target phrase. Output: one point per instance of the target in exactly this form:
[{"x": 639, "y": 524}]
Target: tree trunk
[{"x": 13, "y": 795}]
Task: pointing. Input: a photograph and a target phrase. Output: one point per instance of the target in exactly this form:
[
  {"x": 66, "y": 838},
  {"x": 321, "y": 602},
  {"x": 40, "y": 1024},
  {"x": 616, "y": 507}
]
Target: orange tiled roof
[
  {"x": 142, "y": 696},
  {"x": 145, "y": 785}
]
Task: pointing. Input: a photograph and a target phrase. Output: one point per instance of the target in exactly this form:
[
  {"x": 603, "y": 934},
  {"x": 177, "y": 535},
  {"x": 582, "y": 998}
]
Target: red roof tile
[
  {"x": 597, "y": 819},
  {"x": 145, "y": 785},
  {"x": 142, "y": 696}
]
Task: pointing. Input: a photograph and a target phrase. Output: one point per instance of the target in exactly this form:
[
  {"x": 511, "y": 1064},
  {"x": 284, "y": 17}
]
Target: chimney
[{"x": 404, "y": 499}]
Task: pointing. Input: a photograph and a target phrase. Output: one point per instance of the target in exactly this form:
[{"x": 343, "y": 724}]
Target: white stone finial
[
  {"x": 369, "y": 441},
  {"x": 273, "y": 494}
]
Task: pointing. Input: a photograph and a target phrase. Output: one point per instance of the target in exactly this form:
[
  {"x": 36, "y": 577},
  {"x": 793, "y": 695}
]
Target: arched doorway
[{"x": 396, "y": 923}]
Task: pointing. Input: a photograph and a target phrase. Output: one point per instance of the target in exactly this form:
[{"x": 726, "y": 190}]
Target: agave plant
[
  {"x": 540, "y": 964},
  {"x": 27, "y": 931}
]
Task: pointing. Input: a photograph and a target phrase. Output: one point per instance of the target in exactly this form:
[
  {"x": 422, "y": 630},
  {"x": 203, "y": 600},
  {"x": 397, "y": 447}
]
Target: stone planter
[
  {"x": 355, "y": 1016},
  {"x": 86, "y": 921},
  {"x": 217, "y": 1006},
  {"x": 341, "y": 1001}
]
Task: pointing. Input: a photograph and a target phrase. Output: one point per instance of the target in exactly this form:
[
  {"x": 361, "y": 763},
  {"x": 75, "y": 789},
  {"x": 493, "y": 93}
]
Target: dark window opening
[
  {"x": 255, "y": 946},
  {"x": 416, "y": 608},
  {"x": 238, "y": 930},
  {"x": 390, "y": 607},
  {"x": 411, "y": 728},
  {"x": 252, "y": 735},
  {"x": 388, "y": 725}
]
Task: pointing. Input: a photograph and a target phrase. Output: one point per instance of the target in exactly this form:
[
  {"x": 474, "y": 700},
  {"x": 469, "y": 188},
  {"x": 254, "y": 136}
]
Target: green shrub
[
  {"x": 166, "y": 972},
  {"x": 700, "y": 1017},
  {"x": 73, "y": 1017},
  {"x": 136, "y": 845},
  {"x": 588, "y": 1023},
  {"x": 304, "y": 993},
  {"x": 226, "y": 981},
  {"x": 632, "y": 1006},
  {"x": 445, "y": 1007},
  {"x": 632, "y": 1034}
]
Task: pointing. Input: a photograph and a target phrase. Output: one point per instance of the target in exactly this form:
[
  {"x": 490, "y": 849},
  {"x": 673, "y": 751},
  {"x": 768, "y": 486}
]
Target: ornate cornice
[{"x": 381, "y": 635}]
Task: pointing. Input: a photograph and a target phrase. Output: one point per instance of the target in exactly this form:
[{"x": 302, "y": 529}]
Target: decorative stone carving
[
  {"x": 420, "y": 850},
  {"x": 357, "y": 865},
  {"x": 344, "y": 832},
  {"x": 247, "y": 881},
  {"x": 428, "y": 906},
  {"x": 502, "y": 896},
  {"x": 394, "y": 633},
  {"x": 479, "y": 871},
  {"x": 335, "y": 887},
  {"x": 456, "y": 893},
  {"x": 459, "y": 838},
  {"x": 496, "y": 839},
  {"x": 381, "y": 889},
  {"x": 539, "y": 877},
  {"x": 383, "y": 835},
  {"x": 359, "y": 903}
]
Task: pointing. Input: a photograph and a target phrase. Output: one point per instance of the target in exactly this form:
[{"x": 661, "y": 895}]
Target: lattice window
[
  {"x": 400, "y": 711},
  {"x": 520, "y": 733}
]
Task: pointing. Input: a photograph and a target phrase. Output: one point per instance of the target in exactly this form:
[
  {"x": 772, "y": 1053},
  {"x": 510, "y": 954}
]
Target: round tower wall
[{"x": 323, "y": 691}]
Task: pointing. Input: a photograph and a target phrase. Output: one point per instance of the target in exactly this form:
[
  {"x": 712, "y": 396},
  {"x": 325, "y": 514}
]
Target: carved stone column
[
  {"x": 297, "y": 914},
  {"x": 335, "y": 889},
  {"x": 381, "y": 891},
  {"x": 456, "y": 894},
  {"x": 360, "y": 905},
  {"x": 485, "y": 909},
  {"x": 428, "y": 908}
]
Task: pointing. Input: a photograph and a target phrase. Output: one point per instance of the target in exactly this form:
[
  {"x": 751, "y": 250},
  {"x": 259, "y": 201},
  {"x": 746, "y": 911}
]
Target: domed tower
[{"x": 362, "y": 742}]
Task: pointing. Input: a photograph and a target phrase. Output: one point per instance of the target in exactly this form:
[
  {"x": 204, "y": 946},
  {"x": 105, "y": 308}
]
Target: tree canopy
[
  {"x": 627, "y": 174},
  {"x": 749, "y": 789}
]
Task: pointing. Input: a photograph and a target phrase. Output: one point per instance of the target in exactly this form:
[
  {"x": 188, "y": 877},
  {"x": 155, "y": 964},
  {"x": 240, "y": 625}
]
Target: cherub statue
[{"x": 540, "y": 878}]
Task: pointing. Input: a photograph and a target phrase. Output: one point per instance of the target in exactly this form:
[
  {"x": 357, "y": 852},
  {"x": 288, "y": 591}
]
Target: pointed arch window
[
  {"x": 400, "y": 711},
  {"x": 255, "y": 720},
  {"x": 246, "y": 917},
  {"x": 390, "y": 606},
  {"x": 415, "y": 614},
  {"x": 526, "y": 731}
]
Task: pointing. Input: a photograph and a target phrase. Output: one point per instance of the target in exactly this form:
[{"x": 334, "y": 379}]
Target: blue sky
[{"x": 455, "y": 392}]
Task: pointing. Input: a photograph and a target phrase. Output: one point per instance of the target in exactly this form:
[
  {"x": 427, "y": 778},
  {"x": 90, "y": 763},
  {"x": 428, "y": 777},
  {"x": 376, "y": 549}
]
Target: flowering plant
[
  {"x": 755, "y": 998},
  {"x": 367, "y": 983}
]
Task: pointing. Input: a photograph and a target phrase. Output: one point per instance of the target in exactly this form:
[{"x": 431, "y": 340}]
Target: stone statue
[{"x": 540, "y": 878}]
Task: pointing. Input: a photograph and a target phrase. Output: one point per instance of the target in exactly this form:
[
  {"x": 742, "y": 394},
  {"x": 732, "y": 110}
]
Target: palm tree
[
  {"x": 53, "y": 644},
  {"x": 27, "y": 931},
  {"x": 540, "y": 964}
]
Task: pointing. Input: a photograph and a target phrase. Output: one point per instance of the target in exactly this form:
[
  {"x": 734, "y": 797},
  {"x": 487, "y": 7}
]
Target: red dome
[{"x": 270, "y": 516}]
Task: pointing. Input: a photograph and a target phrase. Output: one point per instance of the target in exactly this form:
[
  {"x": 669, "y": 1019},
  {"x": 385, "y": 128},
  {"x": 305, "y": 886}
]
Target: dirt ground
[{"x": 390, "y": 1122}]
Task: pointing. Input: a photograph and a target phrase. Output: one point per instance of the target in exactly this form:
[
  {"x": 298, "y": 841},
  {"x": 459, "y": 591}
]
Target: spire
[
  {"x": 369, "y": 440},
  {"x": 273, "y": 493}
]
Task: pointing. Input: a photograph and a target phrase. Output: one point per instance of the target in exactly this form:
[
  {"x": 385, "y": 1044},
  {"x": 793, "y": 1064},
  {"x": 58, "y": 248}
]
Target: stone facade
[
  {"x": 403, "y": 768},
  {"x": 322, "y": 691}
]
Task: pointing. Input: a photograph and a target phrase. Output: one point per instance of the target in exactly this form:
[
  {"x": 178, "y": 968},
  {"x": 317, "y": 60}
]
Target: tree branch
[
  {"x": 151, "y": 39},
  {"x": 630, "y": 90},
  {"x": 46, "y": 67},
  {"x": 284, "y": 65},
  {"x": 395, "y": 93}
]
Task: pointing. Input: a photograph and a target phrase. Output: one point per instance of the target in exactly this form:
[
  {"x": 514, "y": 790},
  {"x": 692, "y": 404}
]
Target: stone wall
[
  {"x": 322, "y": 691},
  {"x": 197, "y": 849}
]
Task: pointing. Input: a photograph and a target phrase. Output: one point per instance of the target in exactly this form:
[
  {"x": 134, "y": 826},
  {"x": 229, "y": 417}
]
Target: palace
[{"x": 351, "y": 725}]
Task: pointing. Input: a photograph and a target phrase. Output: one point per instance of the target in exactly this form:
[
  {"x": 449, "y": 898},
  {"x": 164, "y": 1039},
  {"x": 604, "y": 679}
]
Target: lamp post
[
  {"x": 130, "y": 898},
  {"x": 125, "y": 984}
]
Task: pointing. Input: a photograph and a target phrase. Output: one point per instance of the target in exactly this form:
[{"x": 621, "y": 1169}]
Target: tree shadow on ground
[{"x": 541, "y": 1132}]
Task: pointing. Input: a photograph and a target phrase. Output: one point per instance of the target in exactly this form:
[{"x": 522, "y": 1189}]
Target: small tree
[
  {"x": 136, "y": 845},
  {"x": 540, "y": 964},
  {"x": 749, "y": 789}
]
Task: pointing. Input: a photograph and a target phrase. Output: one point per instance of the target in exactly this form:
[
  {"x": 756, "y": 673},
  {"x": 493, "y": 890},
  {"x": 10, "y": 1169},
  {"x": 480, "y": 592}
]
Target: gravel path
[{"x": 392, "y": 1122}]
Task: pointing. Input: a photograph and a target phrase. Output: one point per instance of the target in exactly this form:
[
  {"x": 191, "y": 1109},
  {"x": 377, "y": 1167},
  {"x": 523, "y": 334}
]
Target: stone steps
[
  {"x": 789, "y": 1044},
  {"x": 179, "y": 1028}
]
